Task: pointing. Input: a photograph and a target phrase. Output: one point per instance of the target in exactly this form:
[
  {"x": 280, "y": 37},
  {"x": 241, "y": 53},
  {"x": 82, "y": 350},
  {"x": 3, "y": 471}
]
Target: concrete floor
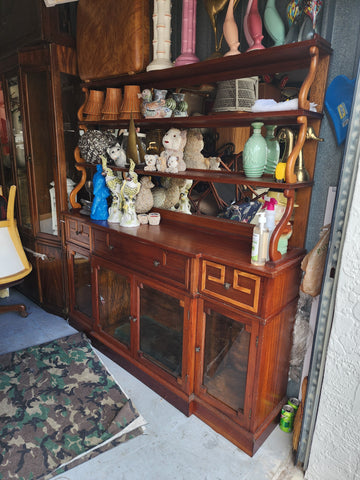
[{"x": 173, "y": 446}]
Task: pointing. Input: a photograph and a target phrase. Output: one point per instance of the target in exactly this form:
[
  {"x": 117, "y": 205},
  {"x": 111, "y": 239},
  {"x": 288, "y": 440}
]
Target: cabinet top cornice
[{"x": 289, "y": 57}]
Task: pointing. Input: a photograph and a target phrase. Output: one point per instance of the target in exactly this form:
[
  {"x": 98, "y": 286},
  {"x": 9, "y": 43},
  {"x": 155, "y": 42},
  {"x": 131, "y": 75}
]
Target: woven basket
[{"x": 236, "y": 95}]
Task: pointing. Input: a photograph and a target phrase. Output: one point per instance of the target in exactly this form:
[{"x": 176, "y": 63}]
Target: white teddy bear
[
  {"x": 151, "y": 161},
  {"x": 174, "y": 142}
]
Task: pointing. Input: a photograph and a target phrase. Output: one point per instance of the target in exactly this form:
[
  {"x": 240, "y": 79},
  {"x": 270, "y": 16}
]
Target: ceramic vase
[
  {"x": 181, "y": 105},
  {"x": 273, "y": 23},
  {"x": 162, "y": 36},
  {"x": 273, "y": 150},
  {"x": 131, "y": 103},
  {"x": 112, "y": 104},
  {"x": 254, "y": 26},
  {"x": 230, "y": 30},
  {"x": 93, "y": 107},
  {"x": 188, "y": 34},
  {"x": 255, "y": 153}
]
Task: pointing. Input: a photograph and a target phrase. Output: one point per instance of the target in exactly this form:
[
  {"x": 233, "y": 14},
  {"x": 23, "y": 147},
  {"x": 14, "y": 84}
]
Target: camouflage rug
[{"x": 59, "y": 407}]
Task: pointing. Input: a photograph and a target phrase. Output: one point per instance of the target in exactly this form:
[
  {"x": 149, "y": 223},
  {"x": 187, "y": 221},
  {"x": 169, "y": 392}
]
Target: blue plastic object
[
  {"x": 99, "y": 208},
  {"x": 338, "y": 101}
]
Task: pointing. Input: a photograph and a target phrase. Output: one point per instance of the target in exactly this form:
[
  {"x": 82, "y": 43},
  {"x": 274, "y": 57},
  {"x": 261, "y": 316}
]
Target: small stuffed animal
[
  {"x": 174, "y": 142},
  {"x": 144, "y": 199},
  {"x": 172, "y": 164},
  {"x": 150, "y": 160}
]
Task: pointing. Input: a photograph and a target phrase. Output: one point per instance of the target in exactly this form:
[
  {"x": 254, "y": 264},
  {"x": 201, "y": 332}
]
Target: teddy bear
[
  {"x": 150, "y": 160},
  {"x": 174, "y": 142},
  {"x": 172, "y": 164},
  {"x": 192, "y": 152}
]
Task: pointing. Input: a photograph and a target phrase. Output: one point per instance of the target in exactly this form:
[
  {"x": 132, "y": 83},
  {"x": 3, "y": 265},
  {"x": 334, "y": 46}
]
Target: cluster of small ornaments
[
  {"x": 171, "y": 158},
  {"x": 156, "y": 105}
]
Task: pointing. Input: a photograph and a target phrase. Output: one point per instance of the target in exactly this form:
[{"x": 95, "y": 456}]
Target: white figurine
[
  {"x": 150, "y": 160},
  {"x": 117, "y": 154},
  {"x": 172, "y": 164},
  {"x": 174, "y": 142}
]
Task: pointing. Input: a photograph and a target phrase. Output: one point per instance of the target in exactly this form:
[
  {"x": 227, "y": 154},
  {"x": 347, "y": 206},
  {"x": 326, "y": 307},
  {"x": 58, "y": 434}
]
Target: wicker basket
[{"x": 236, "y": 95}]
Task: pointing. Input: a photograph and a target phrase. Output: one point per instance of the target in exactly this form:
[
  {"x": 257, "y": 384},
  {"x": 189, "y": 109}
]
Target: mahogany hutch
[{"x": 180, "y": 305}]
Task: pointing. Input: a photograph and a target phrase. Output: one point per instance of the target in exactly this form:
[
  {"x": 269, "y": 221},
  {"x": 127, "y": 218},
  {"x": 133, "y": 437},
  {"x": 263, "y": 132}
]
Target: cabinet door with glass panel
[
  {"x": 225, "y": 360},
  {"x": 80, "y": 287},
  {"x": 13, "y": 168}
]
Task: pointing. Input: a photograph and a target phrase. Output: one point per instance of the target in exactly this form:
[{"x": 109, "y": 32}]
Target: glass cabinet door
[
  {"x": 161, "y": 329},
  {"x": 40, "y": 138},
  {"x": 82, "y": 284},
  {"x": 114, "y": 299},
  {"x": 225, "y": 357},
  {"x": 12, "y": 147}
]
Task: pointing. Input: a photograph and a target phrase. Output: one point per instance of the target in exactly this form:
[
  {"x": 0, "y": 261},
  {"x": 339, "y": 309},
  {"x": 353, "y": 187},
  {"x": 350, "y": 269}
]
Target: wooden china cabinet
[
  {"x": 39, "y": 133},
  {"x": 179, "y": 304}
]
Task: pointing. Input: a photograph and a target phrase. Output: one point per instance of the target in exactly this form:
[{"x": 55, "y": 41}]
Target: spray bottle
[
  {"x": 260, "y": 241},
  {"x": 270, "y": 220}
]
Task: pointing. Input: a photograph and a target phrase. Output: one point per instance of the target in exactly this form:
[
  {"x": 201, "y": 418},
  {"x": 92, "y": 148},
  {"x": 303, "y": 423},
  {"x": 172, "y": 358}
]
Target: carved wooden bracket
[
  {"x": 274, "y": 254},
  {"x": 82, "y": 169}
]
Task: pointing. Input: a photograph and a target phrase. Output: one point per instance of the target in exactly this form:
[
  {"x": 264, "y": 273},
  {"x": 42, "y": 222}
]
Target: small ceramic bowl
[
  {"x": 143, "y": 218},
  {"x": 154, "y": 218}
]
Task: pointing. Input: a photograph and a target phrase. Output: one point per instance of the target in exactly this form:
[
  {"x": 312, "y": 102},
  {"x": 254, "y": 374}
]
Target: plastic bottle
[
  {"x": 260, "y": 241},
  {"x": 270, "y": 220}
]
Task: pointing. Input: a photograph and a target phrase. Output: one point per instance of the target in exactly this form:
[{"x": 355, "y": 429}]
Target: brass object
[{"x": 213, "y": 8}]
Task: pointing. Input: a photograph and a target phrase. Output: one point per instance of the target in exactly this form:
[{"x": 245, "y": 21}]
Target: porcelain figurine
[
  {"x": 158, "y": 107},
  {"x": 117, "y": 154},
  {"x": 129, "y": 189},
  {"x": 188, "y": 34},
  {"x": 99, "y": 207},
  {"x": 114, "y": 183}
]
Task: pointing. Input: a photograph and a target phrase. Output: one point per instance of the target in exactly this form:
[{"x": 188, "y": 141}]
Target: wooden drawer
[
  {"x": 77, "y": 232},
  {"x": 236, "y": 287},
  {"x": 149, "y": 259}
]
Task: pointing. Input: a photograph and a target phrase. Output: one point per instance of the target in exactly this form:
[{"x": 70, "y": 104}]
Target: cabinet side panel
[{"x": 275, "y": 340}]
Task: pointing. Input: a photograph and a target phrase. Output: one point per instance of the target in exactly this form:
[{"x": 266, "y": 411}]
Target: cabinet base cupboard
[{"x": 186, "y": 313}]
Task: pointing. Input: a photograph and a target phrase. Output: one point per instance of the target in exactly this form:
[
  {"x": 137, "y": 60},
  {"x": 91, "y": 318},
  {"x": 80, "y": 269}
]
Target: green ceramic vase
[
  {"x": 255, "y": 153},
  {"x": 273, "y": 150},
  {"x": 273, "y": 23}
]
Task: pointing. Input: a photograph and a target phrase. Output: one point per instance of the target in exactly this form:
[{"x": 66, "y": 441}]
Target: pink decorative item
[
  {"x": 248, "y": 37},
  {"x": 230, "y": 30},
  {"x": 254, "y": 25},
  {"x": 188, "y": 34}
]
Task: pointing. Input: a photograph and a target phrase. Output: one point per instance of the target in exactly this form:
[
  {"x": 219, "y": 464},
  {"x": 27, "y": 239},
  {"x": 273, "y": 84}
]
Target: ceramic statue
[
  {"x": 188, "y": 34},
  {"x": 162, "y": 36},
  {"x": 114, "y": 183},
  {"x": 99, "y": 207},
  {"x": 157, "y": 107},
  {"x": 129, "y": 189},
  {"x": 117, "y": 154},
  {"x": 230, "y": 30},
  {"x": 181, "y": 105}
]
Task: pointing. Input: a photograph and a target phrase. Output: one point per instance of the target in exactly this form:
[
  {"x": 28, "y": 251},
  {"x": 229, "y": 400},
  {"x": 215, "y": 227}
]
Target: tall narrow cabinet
[{"x": 39, "y": 134}]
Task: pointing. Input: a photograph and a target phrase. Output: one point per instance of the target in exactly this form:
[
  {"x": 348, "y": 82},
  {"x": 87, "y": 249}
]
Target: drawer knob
[
  {"x": 227, "y": 285},
  {"x": 156, "y": 263},
  {"x": 111, "y": 247},
  {"x": 77, "y": 232}
]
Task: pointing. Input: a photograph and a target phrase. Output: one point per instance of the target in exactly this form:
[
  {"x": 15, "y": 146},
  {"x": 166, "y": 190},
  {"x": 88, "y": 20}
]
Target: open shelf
[
  {"x": 213, "y": 120},
  {"x": 213, "y": 176},
  {"x": 293, "y": 56}
]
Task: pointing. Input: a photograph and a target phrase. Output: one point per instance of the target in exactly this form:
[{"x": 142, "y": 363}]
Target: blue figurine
[{"x": 99, "y": 208}]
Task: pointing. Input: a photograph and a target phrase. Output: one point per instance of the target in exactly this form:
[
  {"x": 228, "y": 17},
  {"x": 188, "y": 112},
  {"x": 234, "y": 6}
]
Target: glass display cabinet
[{"x": 38, "y": 108}]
